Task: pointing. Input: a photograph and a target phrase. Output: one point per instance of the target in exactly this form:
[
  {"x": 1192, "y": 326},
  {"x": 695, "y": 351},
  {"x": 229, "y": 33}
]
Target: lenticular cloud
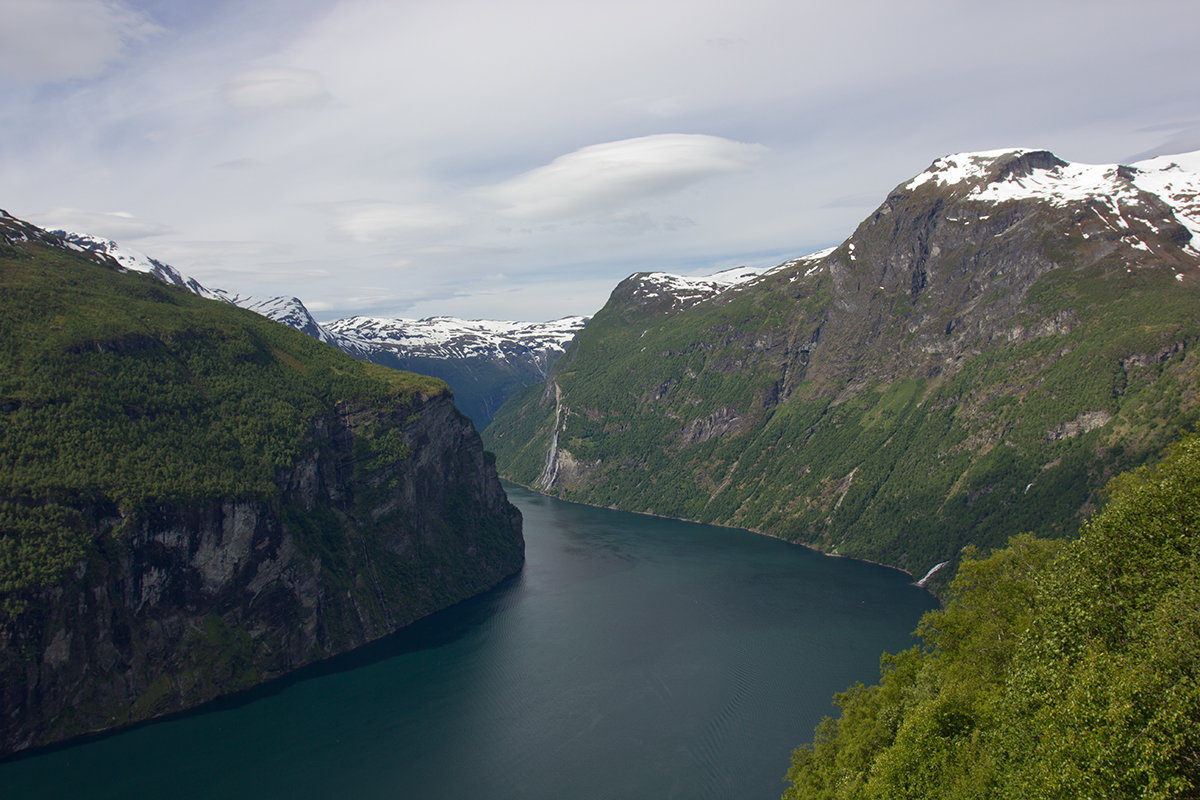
[
  {"x": 276, "y": 88},
  {"x": 602, "y": 177}
]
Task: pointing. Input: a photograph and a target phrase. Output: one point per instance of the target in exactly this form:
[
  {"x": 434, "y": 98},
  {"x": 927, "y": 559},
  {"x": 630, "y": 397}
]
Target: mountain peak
[
  {"x": 999, "y": 176},
  {"x": 667, "y": 290},
  {"x": 985, "y": 167}
]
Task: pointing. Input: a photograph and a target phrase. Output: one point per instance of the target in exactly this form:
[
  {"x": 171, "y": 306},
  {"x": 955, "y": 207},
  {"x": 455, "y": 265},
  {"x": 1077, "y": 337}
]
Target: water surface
[{"x": 633, "y": 657}]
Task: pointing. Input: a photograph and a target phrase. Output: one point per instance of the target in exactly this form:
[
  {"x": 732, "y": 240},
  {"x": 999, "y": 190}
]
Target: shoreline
[{"x": 921, "y": 584}]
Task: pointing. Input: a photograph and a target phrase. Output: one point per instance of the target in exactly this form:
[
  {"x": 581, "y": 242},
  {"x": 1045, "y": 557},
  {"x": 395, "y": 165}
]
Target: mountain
[
  {"x": 483, "y": 361},
  {"x": 1002, "y": 335},
  {"x": 288, "y": 310},
  {"x": 668, "y": 292},
  {"x": 194, "y": 499}
]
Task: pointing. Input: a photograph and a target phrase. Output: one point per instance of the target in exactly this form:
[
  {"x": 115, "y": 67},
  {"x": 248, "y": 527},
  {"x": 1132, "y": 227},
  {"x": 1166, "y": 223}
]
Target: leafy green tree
[{"x": 1056, "y": 669}]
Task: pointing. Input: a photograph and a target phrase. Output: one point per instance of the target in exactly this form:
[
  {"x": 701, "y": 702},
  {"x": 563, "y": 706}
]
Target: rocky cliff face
[
  {"x": 195, "y": 499},
  {"x": 948, "y": 259},
  {"x": 1001, "y": 335},
  {"x": 178, "y": 604}
]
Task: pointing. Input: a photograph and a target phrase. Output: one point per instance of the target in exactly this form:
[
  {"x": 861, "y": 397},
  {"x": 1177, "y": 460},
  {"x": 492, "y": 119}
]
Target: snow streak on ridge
[
  {"x": 450, "y": 337},
  {"x": 1174, "y": 179}
]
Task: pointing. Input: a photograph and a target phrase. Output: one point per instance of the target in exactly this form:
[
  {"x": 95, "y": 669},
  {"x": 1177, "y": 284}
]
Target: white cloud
[
  {"x": 372, "y": 221},
  {"x": 119, "y": 225},
  {"x": 418, "y": 146},
  {"x": 276, "y": 88},
  {"x": 606, "y": 177},
  {"x": 496, "y": 297},
  {"x": 44, "y": 41}
]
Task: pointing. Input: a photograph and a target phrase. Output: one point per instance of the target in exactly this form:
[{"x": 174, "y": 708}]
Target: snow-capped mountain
[
  {"x": 1117, "y": 191},
  {"x": 450, "y": 337},
  {"x": 667, "y": 291},
  {"x": 484, "y": 361},
  {"x": 686, "y": 290},
  {"x": 133, "y": 260},
  {"x": 1119, "y": 195},
  {"x": 288, "y": 310}
]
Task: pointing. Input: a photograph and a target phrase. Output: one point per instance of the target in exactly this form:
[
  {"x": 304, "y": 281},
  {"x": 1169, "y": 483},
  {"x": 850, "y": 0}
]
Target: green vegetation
[
  {"x": 117, "y": 393},
  {"x": 195, "y": 499},
  {"x": 864, "y": 444},
  {"x": 1056, "y": 670}
]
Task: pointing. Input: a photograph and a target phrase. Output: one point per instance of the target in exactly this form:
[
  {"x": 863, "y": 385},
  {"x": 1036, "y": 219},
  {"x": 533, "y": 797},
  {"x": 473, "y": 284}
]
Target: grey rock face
[{"x": 179, "y": 604}]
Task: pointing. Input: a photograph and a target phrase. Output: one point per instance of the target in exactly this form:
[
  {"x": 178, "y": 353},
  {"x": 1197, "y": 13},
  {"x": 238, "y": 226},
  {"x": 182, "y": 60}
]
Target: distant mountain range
[
  {"x": 1005, "y": 332},
  {"x": 484, "y": 361}
]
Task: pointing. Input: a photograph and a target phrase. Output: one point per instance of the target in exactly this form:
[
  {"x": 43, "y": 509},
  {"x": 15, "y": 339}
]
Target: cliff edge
[{"x": 194, "y": 500}]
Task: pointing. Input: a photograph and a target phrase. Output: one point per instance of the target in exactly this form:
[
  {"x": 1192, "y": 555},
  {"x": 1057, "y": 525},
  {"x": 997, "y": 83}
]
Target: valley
[
  {"x": 1004, "y": 334},
  {"x": 574, "y": 400},
  {"x": 1007, "y": 344},
  {"x": 484, "y": 361}
]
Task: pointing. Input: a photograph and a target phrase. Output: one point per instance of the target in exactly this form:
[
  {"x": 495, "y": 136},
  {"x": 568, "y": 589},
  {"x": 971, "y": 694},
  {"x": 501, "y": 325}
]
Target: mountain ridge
[
  {"x": 453, "y": 337},
  {"x": 1003, "y": 333},
  {"x": 501, "y": 356}
]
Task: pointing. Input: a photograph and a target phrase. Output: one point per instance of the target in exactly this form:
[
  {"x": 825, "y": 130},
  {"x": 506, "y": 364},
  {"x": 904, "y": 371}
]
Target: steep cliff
[
  {"x": 1004, "y": 333},
  {"x": 194, "y": 499}
]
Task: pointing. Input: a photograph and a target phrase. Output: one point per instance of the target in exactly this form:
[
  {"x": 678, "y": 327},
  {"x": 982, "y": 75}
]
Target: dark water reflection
[{"x": 633, "y": 657}]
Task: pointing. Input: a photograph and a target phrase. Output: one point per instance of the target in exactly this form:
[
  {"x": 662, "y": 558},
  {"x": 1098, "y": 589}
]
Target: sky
[{"x": 515, "y": 159}]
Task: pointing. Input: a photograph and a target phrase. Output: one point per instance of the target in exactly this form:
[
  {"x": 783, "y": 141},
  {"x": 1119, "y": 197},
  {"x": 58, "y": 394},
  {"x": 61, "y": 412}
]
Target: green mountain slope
[
  {"x": 958, "y": 370},
  {"x": 1056, "y": 669},
  {"x": 115, "y": 384},
  {"x": 194, "y": 499}
]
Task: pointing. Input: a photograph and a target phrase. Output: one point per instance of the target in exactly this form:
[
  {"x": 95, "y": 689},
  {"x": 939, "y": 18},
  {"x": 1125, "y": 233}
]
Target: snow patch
[
  {"x": 1115, "y": 188},
  {"x": 450, "y": 337},
  {"x": 688, "y": 289},
  {"x": 961, "y": 167},
  {"x": 1176, "y": 179}
]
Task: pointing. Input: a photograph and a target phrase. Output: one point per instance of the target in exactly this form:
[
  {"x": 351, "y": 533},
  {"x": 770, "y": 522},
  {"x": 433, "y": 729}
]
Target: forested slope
[
  {"x": 195, "y": 499},
  {"x": 1058, "y": 669},
  {"x": 1003, "y": 335}
]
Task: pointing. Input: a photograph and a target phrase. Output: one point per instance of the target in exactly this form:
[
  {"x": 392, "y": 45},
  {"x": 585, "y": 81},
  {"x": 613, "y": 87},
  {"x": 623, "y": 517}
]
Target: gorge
[{"x": 199, "y": 501}]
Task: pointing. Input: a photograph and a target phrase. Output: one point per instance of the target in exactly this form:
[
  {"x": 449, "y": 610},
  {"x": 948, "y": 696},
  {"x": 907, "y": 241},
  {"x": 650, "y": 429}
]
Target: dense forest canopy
[
  {"x": 115, "y": 388},
  {"x": 1056, "y": 669}
]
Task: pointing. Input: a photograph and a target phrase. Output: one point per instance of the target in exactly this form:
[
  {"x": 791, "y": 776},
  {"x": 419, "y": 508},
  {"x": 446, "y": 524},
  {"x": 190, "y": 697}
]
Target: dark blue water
[{"x": 634, "y": 657}]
